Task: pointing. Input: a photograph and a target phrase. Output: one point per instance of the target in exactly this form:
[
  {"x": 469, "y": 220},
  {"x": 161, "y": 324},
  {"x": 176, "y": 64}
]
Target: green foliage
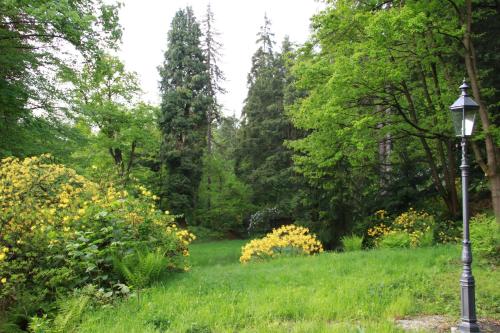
[
  {"x": 415, "y": 226},
  {"x": 66, "y": 231},
  {"x": 40, "y": 325},
  {"x": 142, "y": 267},
  {"x": 183, "y": 122},
  {"x": 225, "y": 202},
  {"x": 70, "y": 314},
  {"x": 378, "y": 80},
  {"x": 121, "y": 134},
  {"x": 485, "y": 238},
  {"x": 396, "y": 239},
  {"x": 71, "y": 310},
  {"x": 204, "y": 234},
  {"x": 427, "y": 239},
  {"x": 262, "y": 161},
  {"x": 38, "y": 40},
  {"x": 448, "y": 231},
  {"x": 352, "y": 243}
]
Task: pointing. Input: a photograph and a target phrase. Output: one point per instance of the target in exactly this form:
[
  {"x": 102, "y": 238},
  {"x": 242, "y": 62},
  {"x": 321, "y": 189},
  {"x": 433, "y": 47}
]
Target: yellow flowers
[
  {"x": 413, "y": 223},
  {"x": 145, "y": 192},
  {"x": 185, "y": 236},
  {"x": 48, "y": 209},
  {"x": 3, "y": 254},
  {"x": 379, "y": 230},
  {"x": 36, "y": 194},
  {"x": 380, "y": 214},
  {"x": 289, "y": 239}
]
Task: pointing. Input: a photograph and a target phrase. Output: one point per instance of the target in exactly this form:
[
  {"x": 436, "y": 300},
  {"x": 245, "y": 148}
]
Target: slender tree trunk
[
  {"x": 116, "y": 153},
  {"x": 209, "y": 111},
  {"x": 452, "y": 166},
  {"x": 130, "y": 161},
  {"x": 490, "y": 168},
  {"x": 384, "y": 152},
  {"x": 209, "y": 153}
]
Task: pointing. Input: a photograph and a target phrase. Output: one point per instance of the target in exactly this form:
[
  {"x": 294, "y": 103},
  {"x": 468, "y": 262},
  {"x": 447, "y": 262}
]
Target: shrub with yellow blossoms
[
  {"x": 286, "y": 240},
  {"x": 412, "y": 227},
  {"x": 59, "y": 231}
]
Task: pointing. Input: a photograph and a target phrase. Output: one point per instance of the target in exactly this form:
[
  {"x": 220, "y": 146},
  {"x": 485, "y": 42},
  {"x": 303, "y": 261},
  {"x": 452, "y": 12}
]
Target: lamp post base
[{"x": 466, "y": 327}]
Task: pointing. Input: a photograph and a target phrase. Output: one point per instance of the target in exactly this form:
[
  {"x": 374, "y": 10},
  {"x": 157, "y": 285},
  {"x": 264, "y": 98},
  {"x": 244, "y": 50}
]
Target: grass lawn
[{"x": 333, "y": 292}]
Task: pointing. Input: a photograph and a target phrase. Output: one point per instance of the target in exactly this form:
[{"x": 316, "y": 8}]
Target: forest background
[{"x": 353, "y": 122}]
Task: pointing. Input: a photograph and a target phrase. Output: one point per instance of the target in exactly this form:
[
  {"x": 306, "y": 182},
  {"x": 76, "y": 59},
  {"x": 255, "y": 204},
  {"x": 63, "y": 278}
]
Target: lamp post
[{"x": 463, "y": 113}]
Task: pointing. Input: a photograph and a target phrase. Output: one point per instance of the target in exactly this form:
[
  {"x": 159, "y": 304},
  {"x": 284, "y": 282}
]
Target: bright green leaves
[
  {"x": 38, "y": 39},
  {"x": 378, "y": 82}
]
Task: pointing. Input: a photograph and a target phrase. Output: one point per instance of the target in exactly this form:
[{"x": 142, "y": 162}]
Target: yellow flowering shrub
[
  {"x": 59, "y": 231},
  {"x": 288, "y": 239},
  {"x": 411, "y": 228}
]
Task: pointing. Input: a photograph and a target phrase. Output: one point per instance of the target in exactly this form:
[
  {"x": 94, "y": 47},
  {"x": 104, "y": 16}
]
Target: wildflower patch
[{"x": 287, "y": 240}]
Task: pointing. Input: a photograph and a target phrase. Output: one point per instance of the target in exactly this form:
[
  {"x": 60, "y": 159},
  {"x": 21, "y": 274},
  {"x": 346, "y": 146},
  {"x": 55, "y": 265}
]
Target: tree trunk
[
  {"x": 130, "y": 161},
  {"x": 490, "y": 168},
  {"x": 453, "y": 175},
  {"x": 209, "y": 153},
  {"x": 116, "y": 153}
]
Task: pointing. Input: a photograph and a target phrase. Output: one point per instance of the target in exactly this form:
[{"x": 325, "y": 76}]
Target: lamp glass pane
[
  {"x": 456, "y": 117},
  {"x": 470, "y": 117}
]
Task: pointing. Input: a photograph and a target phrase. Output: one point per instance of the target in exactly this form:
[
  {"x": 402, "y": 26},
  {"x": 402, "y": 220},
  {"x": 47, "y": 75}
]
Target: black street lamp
[{"x": 463, "y": 113}]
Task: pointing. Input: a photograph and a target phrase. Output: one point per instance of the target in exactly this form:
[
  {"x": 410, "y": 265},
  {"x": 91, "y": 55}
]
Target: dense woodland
[
  {"x": 353, "y": 121},
  {"x": 351, "y": 127}
]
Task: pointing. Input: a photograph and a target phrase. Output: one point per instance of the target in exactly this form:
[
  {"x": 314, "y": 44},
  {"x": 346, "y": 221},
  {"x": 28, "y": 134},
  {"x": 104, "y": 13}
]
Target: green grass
[{"x": 361, "y": 291}]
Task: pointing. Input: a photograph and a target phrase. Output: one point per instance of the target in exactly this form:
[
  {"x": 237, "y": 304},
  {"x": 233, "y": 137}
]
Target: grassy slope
[{"x": 352, "y": 292}]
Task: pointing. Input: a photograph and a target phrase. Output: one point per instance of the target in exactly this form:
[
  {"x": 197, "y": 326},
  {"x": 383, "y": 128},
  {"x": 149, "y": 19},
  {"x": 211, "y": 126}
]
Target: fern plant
[
  {"x": 70, "y": 314},
  {"x": 352, "y": 243},
  {"x": 68, "y": 317},
  {"x": 141, "y": 268}
]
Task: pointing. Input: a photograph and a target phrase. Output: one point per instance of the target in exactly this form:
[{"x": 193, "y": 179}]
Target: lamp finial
[{"x": 464, "y": 88}]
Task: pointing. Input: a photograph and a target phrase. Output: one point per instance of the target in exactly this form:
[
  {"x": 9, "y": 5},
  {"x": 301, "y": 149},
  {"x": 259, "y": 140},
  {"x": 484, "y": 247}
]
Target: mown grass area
[{"x": 333, "y": 292}]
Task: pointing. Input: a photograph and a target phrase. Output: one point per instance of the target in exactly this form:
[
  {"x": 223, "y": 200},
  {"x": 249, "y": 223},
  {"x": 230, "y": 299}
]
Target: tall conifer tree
[
  {"x": 184, "y": 87},
  {"x": 261, "y": 158},
  {"x": 211, "y": 50}
]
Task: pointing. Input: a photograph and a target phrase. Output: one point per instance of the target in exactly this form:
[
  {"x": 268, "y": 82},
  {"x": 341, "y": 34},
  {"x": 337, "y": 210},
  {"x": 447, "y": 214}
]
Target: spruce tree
[
  {"x": 261, "y": 158},
  {"x": 184, "y": 87},
  {"x": 211, "y": 50}
]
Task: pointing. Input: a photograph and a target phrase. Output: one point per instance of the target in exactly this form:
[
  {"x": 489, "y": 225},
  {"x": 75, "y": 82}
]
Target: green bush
[
  {"x": 448, "y": 231},
  {"x": 225, "y": 202},
  {"x": 427, "y": 239},
  {"x": 395, "y": 239},
  {"x": 204, "y": 234},
  {"x": 352, "y": 243},
  {"x": 417, "y": 227},
  {"x": 485, "y": 238},
  {"x": 61, "y": 231}
]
